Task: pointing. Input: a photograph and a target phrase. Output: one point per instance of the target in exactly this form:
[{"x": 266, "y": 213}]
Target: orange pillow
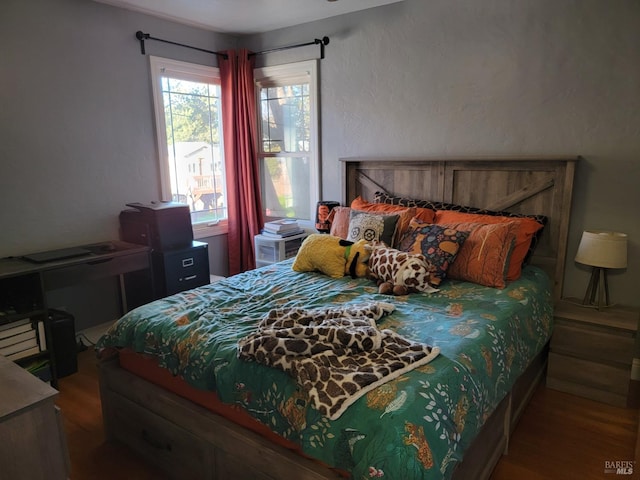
[
  {"x": 425, "y": 215},
  {"x": 405, "y": 213},
  {"x": 525, "y": 229},
  {"x": 339, "y": 219},
  {"x": 484, "y": 256}
]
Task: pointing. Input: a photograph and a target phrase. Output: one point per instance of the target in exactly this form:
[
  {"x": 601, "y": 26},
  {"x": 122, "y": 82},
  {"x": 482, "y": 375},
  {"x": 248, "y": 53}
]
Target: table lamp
[{"x": 601, "y": 250}]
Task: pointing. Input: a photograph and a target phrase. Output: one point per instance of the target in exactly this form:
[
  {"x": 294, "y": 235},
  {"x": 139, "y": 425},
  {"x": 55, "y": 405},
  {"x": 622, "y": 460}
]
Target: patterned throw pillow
[
  {"x": 438, "y": 244},
  {"x": 524, "y": 229},
  {"x": 484, "y": 257},
  {"x": 383, "y": 197},
  {"x": 404, "y": 214},
  {"x": 372, "y": 227}
]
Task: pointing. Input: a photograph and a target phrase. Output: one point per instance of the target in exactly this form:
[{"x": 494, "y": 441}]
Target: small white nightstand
[
  {"x": 592, "y": 351},
  {"x": 271, "y": 250}
]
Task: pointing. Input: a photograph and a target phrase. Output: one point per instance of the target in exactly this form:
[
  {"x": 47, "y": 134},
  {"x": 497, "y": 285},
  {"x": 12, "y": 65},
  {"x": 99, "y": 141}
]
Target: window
[
  {"x": 189, "y": 125},
  {"x": 288, "y": 147}
]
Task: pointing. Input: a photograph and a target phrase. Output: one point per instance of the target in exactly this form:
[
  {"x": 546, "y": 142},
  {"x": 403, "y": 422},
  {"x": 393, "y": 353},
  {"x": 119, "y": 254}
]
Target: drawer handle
[
  {"x": 187, "y": 262},
  {"x": 157, "y": 444},
  {"x": 190, "y": 277}
]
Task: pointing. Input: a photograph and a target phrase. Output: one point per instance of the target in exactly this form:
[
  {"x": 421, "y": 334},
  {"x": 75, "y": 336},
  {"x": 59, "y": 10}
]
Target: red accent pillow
[{"x": 339, "y": 219}]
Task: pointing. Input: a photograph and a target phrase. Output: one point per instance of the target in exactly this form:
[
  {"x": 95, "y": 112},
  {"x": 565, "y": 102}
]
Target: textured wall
[
  {"x": 462, "y": 77},
  {"x": 419, "y": 77},
  {"x": 76, "y": 117},
  {"x": 77, "y": 138}
]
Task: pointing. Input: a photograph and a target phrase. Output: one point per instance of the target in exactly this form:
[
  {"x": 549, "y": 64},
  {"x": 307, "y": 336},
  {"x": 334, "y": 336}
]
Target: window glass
[
  {"x": 285, "y": 113},
  {"x": 188, "y": 116},
  {"x": 285, "y": 183},
  {"x": 288, "y": 147}
]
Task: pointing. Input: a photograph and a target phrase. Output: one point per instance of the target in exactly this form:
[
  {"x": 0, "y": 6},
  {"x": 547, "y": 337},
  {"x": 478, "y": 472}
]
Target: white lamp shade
[{"x": 603, "y": 249}]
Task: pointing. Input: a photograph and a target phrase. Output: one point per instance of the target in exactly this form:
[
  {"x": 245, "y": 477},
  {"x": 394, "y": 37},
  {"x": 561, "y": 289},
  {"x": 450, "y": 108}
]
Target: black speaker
[
  {"x": 65, "y": 348},
  {"x": 138, "y": 288}
]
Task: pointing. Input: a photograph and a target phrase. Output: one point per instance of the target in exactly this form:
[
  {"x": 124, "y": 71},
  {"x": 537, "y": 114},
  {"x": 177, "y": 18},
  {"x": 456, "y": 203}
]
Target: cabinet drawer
[
  {"x": 594, "y": 344},
  {"x": 590, "y": 374},
  {"x": 162, "y": 443},
  {"x": 92, "y": 269},
  {"x": 191, "y": 279},
  {"x": 185, "y": 261},
  {"x": 180, "y": 270}
]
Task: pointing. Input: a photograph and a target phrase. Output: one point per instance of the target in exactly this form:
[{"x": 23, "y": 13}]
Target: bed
[{"x": 174, "y": 389}]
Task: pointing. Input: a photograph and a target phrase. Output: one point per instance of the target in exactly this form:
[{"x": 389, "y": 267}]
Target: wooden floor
[
  {"x": 91, "y": 456},
  {"x": 559, "y": 436}
]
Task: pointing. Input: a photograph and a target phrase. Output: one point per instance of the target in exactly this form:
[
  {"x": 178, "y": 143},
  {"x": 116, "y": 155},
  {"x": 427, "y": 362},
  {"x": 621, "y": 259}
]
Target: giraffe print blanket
[{"x": 336, "y": 355}]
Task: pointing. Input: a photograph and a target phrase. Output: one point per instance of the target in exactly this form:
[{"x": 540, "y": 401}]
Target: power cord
[{"x": 80, "y": 339}]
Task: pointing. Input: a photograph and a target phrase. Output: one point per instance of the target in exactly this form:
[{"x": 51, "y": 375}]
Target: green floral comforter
[{"x": 416, "y": 426}]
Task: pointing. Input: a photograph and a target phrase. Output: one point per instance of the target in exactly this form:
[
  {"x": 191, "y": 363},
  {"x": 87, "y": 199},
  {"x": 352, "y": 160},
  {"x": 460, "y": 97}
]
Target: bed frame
[{"x": 188, "y": 441}]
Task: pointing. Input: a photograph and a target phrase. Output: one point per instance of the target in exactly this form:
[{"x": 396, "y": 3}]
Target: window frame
[
  {"x": 159, "y": 67},
  {"x": 286, "y": 74}
]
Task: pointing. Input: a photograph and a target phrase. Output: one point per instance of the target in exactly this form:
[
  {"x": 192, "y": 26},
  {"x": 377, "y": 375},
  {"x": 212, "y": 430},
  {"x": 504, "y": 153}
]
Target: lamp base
[{"x": 598, "y": 284}]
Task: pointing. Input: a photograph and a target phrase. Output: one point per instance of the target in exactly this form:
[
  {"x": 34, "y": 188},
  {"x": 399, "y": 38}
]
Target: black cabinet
[
  {"x": 63, "y": 331},
  {"x": 180, "y": 269},
  {"x": 171, "y": 271},
  {"x": 178, "y": 262}
]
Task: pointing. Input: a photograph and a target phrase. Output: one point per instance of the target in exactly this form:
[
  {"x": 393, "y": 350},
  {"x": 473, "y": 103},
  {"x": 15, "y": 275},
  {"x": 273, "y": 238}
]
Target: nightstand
[{"x": 592, "y": 351}]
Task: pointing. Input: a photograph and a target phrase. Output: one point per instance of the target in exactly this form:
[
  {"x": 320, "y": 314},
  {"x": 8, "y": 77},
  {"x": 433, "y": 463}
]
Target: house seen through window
[
  {"x": 190, "y": 132},
  {"x": 189, "y": 125}
]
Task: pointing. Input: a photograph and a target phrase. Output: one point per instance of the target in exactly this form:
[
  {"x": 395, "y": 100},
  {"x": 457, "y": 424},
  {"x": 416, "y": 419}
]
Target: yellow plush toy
[{"x": 332, "y": 256}]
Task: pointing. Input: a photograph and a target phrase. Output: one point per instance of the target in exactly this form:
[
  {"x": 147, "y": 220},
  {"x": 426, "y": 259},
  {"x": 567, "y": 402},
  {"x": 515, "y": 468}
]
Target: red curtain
[{"x": 241, "y": 160}]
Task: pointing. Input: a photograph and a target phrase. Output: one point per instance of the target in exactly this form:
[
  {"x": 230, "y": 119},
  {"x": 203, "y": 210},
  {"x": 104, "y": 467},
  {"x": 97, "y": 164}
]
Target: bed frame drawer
[
  {"x": 212, "y": 447},
  {"x": 161, "y": 442}
]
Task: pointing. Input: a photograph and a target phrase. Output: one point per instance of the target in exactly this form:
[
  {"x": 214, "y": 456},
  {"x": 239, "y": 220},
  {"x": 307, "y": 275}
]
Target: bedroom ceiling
[{"x": 246, "y": 16}]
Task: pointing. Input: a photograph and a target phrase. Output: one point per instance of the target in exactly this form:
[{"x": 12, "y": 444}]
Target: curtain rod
[
  {"x": 145, "y": 36},
  {"x": 317, "y": 41}
]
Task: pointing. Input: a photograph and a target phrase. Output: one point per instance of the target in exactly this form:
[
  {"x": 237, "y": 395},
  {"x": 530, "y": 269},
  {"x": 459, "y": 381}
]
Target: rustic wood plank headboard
[{"x": 528, "y": 185}]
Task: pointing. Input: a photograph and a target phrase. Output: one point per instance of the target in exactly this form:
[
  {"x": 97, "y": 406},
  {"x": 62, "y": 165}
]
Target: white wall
[{"x": 463, "y": 77}]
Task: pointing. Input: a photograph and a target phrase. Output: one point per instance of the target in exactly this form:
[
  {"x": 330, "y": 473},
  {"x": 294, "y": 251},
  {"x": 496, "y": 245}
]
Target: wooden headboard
[{"x": 528, "y": 185}]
